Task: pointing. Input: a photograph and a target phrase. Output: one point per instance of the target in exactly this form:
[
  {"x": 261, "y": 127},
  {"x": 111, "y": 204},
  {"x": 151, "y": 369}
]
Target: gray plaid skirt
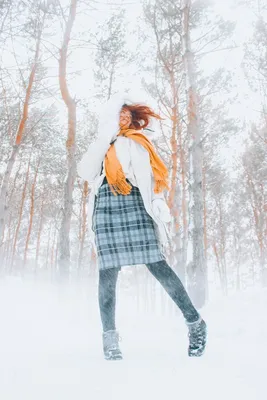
[{"x": 125, "y": 234}]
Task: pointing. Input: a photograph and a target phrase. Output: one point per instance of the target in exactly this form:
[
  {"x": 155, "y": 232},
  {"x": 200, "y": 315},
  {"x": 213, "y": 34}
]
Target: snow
[{"x": 50, "y": 347}]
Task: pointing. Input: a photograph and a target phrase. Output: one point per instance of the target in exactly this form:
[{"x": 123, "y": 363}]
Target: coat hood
[{"x": 111, "y": 109}]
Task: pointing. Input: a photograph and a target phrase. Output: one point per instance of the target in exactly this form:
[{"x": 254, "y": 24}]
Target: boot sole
[
  {"x": 197, "y": 353},
  {"x": 113, "y": 358}
]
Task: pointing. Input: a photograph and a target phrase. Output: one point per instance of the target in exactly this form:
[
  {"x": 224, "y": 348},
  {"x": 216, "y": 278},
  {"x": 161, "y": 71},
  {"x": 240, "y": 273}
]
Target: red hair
[{"x": 140, "y": 114}]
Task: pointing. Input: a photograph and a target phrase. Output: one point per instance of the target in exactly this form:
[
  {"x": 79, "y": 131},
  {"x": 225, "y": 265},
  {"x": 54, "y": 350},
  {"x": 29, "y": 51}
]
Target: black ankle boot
[
  {"x": 111, "y": 345},
  {"x": 197, "y": 337}
]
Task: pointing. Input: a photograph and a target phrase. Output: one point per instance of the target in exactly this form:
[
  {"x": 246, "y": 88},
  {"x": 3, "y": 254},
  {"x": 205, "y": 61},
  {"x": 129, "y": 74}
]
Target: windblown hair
[{"x": 141, "y": 115}]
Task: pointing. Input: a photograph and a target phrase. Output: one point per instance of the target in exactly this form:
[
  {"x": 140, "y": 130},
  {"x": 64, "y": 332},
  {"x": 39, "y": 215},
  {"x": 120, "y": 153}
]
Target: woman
[{"x": 128, "y": 214}]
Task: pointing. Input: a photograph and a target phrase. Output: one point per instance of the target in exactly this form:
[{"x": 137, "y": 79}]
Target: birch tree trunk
[
  {"x": 198, "y": 283},
  {"x": 64, "y": 234}
]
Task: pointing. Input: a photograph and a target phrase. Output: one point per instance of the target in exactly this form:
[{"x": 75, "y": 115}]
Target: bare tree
[
  {"x": 64, "y": 235},
  {"x": 39, "y": 24},
  {"x": 164, "y": 17},
  {"x": 110, "y": 54},
  {"x": 198, "y": 284}
]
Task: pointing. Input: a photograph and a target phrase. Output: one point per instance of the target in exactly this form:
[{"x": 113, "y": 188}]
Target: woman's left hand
[{"x": 161, "y": 210}]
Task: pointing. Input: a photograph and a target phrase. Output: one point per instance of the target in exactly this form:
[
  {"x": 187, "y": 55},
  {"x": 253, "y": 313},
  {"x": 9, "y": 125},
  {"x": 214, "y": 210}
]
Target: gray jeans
[{"x": 163, "y": 273}]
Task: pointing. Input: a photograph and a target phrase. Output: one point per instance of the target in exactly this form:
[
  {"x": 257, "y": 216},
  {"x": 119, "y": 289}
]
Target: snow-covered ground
[{"x": 50, "y": 348}]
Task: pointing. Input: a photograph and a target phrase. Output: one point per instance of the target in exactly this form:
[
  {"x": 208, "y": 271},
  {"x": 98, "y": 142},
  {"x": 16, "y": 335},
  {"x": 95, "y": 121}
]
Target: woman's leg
[
  {"x": 107, "y": 304},
  {"x": 107, "y": 297},
  {"x": 174, "y": 287}
]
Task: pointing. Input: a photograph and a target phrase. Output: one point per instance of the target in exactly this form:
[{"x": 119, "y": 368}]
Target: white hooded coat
[{"x": 135, "y": 162}]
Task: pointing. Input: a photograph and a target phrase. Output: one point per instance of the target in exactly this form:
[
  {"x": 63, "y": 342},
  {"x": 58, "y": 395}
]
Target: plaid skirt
[{"x": 125, "y": 234}]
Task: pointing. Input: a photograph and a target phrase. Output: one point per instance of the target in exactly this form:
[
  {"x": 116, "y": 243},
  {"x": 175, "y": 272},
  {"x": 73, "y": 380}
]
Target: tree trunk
[
  {"x": 53, "y": 254},
  {"x": 31, "y": 215},
  {"x": 64, "y": 234},
  {"x": 205, "y": 212},
  {"x": 176, "y": 257},
  {"x": 20, "y": 215},
  {"x": 83, "y": 223},
  {"x": 19, "y": 135},
  {"x": 40, "y": 227},
  {"x": 237, "y": 258},
  {"x": 184, "y": 201},
  {"x": 6, "y": 253},
  {"x": 197, "y": 286},
  {"x": 263, "y": 268},
  {"x": 4, "y": 190},
  {"x": 258, "y": 208},
  {"x": 56, "y": 254},
  {"x": 215, "y": 249},
  {"x": 222, "y": 247},
  {"x": 48, "y": 248}
]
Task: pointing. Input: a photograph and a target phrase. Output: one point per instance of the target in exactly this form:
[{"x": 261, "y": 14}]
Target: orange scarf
[{"x": 114, "y": 172}]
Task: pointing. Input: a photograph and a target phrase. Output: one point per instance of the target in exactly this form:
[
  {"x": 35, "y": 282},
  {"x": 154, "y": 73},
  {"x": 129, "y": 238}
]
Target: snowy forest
[{"x": 204, "y": 64}]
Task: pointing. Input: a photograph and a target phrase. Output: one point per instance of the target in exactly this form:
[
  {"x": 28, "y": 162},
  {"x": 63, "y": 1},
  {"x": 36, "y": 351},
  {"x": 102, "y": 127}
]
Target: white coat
[{"x": 135, "y": 162}]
